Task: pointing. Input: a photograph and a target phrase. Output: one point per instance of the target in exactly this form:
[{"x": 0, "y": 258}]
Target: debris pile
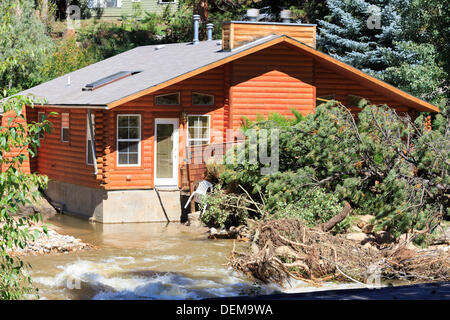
[{"x": 286, "y": 248}]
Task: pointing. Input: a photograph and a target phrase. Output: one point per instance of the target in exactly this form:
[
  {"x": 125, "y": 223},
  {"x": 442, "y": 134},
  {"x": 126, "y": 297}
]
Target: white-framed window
[
  {"x": 202, "y": 99},
  {"x": 65, "y": 127},
  {"x": 128, "y": 140},
  {"x": 168, "y": 99},
  {"x": 104, "y": 4},
  {"x": 198, "y": 127},
  {"x": 90, "y": 139},
  {"x": 353, "y": 101},
  {"x": 319, "y": 100}
]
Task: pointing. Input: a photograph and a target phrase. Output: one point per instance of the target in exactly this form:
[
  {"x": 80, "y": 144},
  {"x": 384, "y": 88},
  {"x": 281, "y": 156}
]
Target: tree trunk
[
  {"x": 202, "y": 9},
  {"x": 327, "y": 226}
]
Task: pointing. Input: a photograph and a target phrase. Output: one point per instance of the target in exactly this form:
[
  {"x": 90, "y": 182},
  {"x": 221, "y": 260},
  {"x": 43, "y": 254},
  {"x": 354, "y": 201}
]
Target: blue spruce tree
[{"x": 374, "y": 36}]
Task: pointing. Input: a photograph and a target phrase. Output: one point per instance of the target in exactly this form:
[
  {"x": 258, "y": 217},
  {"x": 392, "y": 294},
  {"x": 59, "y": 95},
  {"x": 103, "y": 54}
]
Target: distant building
[{"x": 116, "y": 9}]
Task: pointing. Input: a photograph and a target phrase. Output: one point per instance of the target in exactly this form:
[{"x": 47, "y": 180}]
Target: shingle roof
[
  {"x": 161, "y": 66},
  {"x": 158, "y": 65}
]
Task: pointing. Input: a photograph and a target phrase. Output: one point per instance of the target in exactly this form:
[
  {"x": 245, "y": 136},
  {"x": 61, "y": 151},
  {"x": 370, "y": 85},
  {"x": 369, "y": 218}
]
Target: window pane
[
  {"x": 123, "y": 158},
  {"x": 133, "y": 133},
  {"x": 65, "y": 134},
  {"x": 133, "y": 146},
  {"x": 202, "y": 99},
  {"x": 191, "y": 133},
  {"x": 205, "y": 133},
  {"x": 133, "y": 158},
  {"x": 123, "y": 121},
  {"x": 123, "y": 133},
  {"x": 123, "y": 147},
  {"x": 134, "y": 122},
  {"x": 191, "y": 121},
  {"x": 168, "y": 99}
]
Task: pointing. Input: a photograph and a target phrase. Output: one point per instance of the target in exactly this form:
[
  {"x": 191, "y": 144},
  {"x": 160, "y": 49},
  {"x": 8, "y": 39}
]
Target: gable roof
[{"x": 163, "y": 66}]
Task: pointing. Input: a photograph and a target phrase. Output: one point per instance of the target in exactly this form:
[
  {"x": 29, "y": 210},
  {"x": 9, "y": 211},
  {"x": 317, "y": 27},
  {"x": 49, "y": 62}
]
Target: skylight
[{"x": 109, "y": 79}]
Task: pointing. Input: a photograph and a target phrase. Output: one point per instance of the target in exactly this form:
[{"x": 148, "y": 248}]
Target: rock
[
  {"x": 194, "y": 219},
  {"x": 40, "y": 205},
  {"x": 355, "y": 228},
  {"x": 442, "y": 236},
  {"x": 368, "y": 228},
  {"x": 370, "y": 246},
  {"x": 53, "y": 242},
  {"x": 364, "y": 220},
  {"x": 384, "y": 237},
  {"x": 360, "y": 237},
  {"x": 213, "y": 231}
]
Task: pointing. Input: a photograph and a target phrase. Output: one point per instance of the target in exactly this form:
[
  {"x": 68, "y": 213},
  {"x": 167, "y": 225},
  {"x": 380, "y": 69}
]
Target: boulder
[
  {"x": 39, "y": 205},
  {"x": 194, "y": 219},
  {"x": 355, "y": 228},
  {"x": 360, "y": 237},
  {"x": 364, "y": 220},
  {"x": 213, "y": 231},
  {"x": 368, "y": 228},
  {"x": 384, "y": 237}
]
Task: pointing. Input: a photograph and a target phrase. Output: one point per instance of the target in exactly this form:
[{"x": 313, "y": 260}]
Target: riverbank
[{"x": 50, "y": 243}]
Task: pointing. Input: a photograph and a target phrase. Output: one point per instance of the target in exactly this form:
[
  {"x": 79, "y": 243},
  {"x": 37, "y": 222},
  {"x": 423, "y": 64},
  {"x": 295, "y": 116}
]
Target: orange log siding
[
  {"x": 66, "y": 161},
  {"x": 235, "y": 34},
  {"x": 329, "y": 82},
  {"x": 4, "y": 120},
  {"x": 275, "y": 79}
]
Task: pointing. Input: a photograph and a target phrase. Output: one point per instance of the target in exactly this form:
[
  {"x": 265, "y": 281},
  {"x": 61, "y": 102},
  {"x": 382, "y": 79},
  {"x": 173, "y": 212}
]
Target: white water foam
[{"x": 112, "y": 278}]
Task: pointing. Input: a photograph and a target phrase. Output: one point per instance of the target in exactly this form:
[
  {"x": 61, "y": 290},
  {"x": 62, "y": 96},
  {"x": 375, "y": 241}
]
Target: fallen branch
[{"x": 327, "y": 226}]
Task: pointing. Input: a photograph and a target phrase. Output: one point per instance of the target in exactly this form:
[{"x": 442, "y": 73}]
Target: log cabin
[{"x": 125, "y": 126}]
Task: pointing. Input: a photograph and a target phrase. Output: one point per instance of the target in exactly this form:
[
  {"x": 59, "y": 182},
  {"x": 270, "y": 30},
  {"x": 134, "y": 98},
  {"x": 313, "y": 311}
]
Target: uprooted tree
[{"x": 383, "y": 163}]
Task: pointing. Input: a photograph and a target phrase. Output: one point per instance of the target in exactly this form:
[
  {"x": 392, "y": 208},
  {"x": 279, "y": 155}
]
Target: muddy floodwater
[{"x": 145, "y": 261}]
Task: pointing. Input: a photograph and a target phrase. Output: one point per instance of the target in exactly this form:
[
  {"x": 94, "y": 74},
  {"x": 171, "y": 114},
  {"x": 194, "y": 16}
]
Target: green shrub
[
  {"x": 67, "y": 57},
  {"x": 314, "y": 206},
  {"x": 223, "y": 210}
]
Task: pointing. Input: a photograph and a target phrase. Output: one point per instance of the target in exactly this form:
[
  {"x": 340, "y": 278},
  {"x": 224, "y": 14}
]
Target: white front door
[{"x": 166, "y": 152}]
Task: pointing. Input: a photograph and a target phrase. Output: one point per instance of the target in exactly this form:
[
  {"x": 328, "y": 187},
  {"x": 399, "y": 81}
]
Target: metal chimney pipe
[
  {"x": 252, "y": 14},
  {"x": 286, "y": 16},
  {"x": 196, "y": 18},
  {"x": 210, "y": 27}
]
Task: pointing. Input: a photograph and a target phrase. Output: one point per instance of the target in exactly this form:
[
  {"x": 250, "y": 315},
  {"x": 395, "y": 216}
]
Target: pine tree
[{"x": 375, "y": 36}]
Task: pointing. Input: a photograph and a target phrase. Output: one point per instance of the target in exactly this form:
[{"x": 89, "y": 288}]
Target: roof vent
[
  {"x": 160, "y": 46},
  {"x": 286, "y": 16},
  {"x": 252, "y": 14},
  {"x": 109, "y": 79},
  {"x": 196, "y": 18},
  {"x": 210, "y": 27}
]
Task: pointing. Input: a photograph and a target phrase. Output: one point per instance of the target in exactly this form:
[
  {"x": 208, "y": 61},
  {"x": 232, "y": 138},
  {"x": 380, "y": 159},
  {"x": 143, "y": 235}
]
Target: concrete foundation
[{"x": 116, "y": 206}]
